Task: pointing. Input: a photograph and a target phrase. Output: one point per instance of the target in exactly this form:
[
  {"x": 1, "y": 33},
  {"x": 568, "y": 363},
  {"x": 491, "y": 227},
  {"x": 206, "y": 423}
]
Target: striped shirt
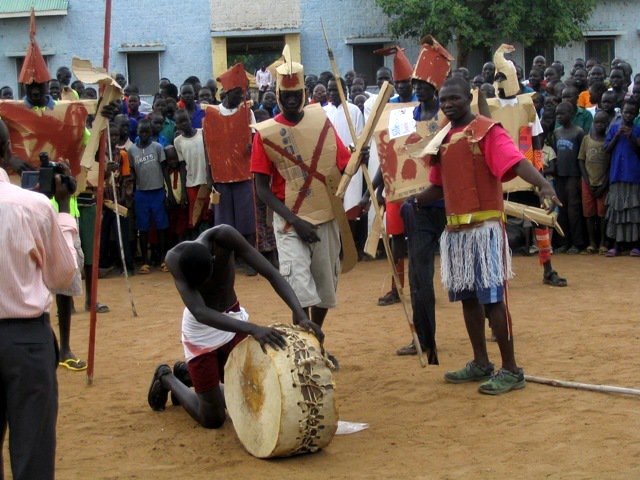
[{"x": 35, "y": 256}]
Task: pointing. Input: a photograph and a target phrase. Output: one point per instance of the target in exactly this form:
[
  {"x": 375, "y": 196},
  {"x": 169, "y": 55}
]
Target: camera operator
[
  {"x": 63, "y": 180},
  {"x": 35, "y": 258}
]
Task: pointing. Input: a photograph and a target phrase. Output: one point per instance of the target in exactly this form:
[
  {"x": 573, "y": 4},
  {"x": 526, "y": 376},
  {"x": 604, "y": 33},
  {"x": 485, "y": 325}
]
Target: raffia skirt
[{"x": 476, "y": 257}]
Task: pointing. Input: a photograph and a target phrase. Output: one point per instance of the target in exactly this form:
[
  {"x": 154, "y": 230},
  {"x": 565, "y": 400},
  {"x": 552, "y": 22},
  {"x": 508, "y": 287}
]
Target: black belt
[{"x": 43, "y": 317}]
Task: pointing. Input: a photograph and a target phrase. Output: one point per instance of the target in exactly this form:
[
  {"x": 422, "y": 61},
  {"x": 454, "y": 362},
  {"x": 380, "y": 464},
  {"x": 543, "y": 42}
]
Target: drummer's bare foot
[{"x": 158, "y": 393}]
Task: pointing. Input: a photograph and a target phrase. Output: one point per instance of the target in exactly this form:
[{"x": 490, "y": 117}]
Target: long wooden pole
[
  {"x": 336, "y": 74},
  {"x": 99, "y": 203},
  {"x": 582, "y": 386},
  {"x": 385, "y": 239}
]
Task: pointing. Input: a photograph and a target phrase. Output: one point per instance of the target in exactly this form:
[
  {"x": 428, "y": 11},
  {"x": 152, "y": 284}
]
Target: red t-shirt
[
  {"x": 498, "y": 149},
  {"x": 260, "y": 162}
]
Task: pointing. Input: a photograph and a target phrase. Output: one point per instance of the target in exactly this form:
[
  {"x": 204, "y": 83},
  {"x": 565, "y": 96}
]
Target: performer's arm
[
  {"x": 193, "y": 300},
  {"x": 545, "y": 191},
  {"x": 231, "y": 239},
  {"x": 305, "y": 230}
]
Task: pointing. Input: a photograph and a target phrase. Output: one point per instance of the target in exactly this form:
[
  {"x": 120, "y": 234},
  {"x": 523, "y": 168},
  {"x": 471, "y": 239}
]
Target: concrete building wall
[
  {"x": 613, "y": 19},
  {"x": 184, "y": 33},
  {"x": 229, "y": 15},
  {"x": 347, "y": 23}
]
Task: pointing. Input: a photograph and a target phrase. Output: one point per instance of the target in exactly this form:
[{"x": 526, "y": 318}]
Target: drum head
[
  {"x": 253, "y": 398},
  {"x": 281, "y": 403}
]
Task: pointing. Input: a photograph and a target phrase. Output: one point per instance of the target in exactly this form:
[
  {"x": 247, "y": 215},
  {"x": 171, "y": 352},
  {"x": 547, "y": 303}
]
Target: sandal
[
  {"x": 612, "y": 252},
  {"x": 602, "y": 250},
  {"x": 553, "y": 279},
  {"x": 389, "y": 298},
  {"x": 164, "y": 268},
  {"x": 73, "y": 364},
  {"x": 591, "y": 250},
  {"x": 144, "y": 269}
]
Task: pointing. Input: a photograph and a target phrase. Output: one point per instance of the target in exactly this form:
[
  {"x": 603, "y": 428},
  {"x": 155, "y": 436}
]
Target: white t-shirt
[
  {"x": 230, "y": 111},
  {"x": 191, "y": 152}
]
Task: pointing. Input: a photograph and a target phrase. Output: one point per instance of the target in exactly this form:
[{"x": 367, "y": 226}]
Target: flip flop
[
  {"x": 144, "y": 269},
  {"x": 73, "y": 364}
]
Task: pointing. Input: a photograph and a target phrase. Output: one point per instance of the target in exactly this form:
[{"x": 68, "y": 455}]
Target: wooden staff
[
  {"x": 336, "y": 74},
  {"x": 112, "y": 178},
  {"x": 582, "y": 386},
  {"x": 374, "y": 202},
  {"x": 98, "y": 223},
  {"x": 363, "y": 141}
]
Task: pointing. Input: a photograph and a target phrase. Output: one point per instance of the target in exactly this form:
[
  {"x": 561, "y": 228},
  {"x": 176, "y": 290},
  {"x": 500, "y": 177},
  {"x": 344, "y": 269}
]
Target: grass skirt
[{"x": 475, "y": 257}]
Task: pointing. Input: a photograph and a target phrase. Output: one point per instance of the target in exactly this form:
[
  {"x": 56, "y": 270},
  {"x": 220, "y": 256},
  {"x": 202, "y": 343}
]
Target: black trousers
[
  {"x": 570, "y": 217},
  {"x": 29, "y": 396},
  {"x": 423, "y": 232}
]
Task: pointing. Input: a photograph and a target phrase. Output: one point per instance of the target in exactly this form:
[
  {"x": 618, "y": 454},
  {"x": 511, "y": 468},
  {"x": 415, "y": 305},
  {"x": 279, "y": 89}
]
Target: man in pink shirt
[
  {"x": 476, "y": 156},
  {"x": 35, "y": 259}
]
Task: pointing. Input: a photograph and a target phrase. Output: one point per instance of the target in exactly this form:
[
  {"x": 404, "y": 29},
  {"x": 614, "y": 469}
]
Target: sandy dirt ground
[{"x": 420, "y": 427}]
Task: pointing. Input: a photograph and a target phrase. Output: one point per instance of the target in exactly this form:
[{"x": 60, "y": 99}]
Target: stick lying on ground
[{"x": 582, "y": 386}]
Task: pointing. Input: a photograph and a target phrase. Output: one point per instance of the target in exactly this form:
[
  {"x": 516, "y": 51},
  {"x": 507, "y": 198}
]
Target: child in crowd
[
  {"x": 567, "y": 139},
  {"x": 177, "y": 200},
  {"x": 623, "y": 200},
  {"x": 608, "y": 104},
  {"x": 157, "y": 124},
  {"x": 596, "y": 90},
  {"x": 190, "y": 149},
  {"x": 133, "y": 105},
  {"x": 168, "y": 126},
  {"x": 148, "y": 168},
  {"x": 594, "y": 166}
]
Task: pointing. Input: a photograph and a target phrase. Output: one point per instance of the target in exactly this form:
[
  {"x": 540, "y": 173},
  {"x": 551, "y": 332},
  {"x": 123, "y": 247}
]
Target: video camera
[{"x": 45, "y": 177}]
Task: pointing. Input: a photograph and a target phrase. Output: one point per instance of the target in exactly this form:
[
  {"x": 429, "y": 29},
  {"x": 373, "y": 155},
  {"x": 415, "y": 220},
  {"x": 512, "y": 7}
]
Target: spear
[{"x": 99, "y": 202}]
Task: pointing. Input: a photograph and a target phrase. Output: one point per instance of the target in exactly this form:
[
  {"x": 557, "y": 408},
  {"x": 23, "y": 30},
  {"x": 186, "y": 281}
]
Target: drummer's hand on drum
[
  {"x": 314, "y": 328},
  {"x": 268, "y": 336}
]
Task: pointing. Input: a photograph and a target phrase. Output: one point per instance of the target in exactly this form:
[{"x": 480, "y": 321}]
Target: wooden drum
[{"x": 281, "y": 403}]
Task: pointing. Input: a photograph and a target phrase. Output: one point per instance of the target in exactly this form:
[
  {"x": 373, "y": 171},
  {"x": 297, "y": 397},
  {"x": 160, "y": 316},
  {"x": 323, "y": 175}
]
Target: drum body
[{"x": 281, "y": 403}]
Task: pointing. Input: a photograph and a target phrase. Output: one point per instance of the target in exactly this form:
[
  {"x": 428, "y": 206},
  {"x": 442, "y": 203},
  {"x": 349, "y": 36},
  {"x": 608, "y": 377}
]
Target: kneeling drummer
[{"x": 213, "y": 322}]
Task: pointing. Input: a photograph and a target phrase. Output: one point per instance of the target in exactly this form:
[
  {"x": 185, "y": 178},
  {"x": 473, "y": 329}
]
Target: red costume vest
[
  {"x": 468, "y": 184},
  {"x": 227, "y": 138}
]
